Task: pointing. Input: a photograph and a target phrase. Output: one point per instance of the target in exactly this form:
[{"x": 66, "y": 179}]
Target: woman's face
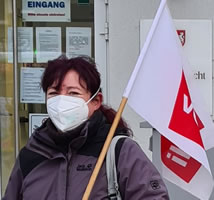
[{"x": 71, "y": 87}]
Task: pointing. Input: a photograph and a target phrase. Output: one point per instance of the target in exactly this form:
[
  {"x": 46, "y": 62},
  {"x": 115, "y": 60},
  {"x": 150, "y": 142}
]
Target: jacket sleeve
[
  {"x": 13, "y": 190},
  {"x": 138, "y": 177}
]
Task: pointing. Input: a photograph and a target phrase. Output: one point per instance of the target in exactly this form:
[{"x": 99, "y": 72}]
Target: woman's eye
[
  {"x": 52, "y": 93},
  {"x": 73, "y": 93}
]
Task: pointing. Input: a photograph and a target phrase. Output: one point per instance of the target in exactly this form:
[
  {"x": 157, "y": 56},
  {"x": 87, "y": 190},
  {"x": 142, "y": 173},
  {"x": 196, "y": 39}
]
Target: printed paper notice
[
  {"x": 35, "y": 121},
  {"x": 48, "y": 43},
  {"x": 31, "y": 91},
  {"x": 25, "y": 45},
  {"x": 78, "y": 41}
]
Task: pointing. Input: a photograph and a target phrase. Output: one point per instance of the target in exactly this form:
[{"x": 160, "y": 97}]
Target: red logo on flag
[
  {"x": 184, "y": 119},
  {"x": 178, "y": 161},
  {"x": 182, "y": 36}
]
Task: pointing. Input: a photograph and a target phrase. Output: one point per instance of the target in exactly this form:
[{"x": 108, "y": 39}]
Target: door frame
[{"x": 101, "y": 43}]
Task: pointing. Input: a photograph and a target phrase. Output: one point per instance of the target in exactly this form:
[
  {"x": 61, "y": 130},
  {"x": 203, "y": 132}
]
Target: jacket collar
[{"x": 48, "y": 140}]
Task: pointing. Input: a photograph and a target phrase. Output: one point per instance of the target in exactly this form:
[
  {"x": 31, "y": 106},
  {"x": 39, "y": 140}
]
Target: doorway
[{"x": 42, "y": 33}]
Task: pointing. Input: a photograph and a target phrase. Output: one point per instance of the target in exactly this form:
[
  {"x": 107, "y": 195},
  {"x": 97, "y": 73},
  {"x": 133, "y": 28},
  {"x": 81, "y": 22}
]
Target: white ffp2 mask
[{"x": 67, "y": 112}]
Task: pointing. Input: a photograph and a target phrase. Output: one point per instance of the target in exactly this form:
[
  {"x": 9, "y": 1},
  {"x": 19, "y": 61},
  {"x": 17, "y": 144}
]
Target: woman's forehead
[{"x": 71, "y": 80}]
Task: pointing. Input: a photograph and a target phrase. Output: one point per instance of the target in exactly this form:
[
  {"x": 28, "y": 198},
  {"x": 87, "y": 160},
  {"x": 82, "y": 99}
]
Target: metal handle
[{"x": 15, "y": 79}]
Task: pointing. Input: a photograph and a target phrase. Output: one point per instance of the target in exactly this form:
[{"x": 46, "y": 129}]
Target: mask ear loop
[{"x": 93, "y": 95}]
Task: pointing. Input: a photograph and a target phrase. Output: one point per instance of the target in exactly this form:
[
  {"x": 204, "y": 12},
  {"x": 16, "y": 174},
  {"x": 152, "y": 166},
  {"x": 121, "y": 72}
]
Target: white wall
[{"x": 124, "y": 46}]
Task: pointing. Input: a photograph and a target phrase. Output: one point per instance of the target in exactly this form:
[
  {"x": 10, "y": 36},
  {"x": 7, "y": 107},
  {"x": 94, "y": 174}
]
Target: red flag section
[
  {"x": 178, "y": 161},
  {"x": 184, "y": 119}
]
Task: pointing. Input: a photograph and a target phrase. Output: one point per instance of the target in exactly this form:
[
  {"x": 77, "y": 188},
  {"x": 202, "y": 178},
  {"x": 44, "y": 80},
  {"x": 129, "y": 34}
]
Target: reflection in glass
[{"x": 6, "y": 96}]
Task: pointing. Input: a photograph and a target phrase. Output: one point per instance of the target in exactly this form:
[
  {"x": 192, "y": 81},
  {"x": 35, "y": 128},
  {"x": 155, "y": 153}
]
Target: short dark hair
[{"x": 57, "y": 69}]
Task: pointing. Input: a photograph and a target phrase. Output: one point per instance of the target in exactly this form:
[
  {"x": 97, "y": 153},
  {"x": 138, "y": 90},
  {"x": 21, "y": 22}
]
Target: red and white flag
[{"x": 161, "y": 91}]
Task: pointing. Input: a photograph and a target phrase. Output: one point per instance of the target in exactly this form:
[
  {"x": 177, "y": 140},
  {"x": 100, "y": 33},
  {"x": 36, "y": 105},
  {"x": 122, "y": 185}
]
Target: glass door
[
  {"x": 45, "y": 30},
  {"x": 7, "y": 147}
]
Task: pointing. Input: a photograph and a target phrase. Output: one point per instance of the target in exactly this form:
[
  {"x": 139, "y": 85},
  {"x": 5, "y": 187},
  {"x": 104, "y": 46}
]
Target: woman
[{"x": 59, "y": 158}]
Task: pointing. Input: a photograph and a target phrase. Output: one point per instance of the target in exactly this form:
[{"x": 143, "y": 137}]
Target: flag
[{"x": 161, "y": 92}]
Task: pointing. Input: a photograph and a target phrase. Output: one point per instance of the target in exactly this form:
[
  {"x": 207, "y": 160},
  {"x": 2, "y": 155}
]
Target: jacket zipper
[{"x": 67, "y": 173}]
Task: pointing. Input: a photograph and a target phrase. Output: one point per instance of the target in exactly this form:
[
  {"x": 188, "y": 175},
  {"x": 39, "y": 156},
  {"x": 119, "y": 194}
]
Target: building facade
[{"x": 112, "y": 32}]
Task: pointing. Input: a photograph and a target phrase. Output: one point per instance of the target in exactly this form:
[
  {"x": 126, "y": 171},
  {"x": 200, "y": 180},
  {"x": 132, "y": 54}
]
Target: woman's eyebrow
[
  {"x": 67, "y": 87},
  {"x": 73, "y": 87}
]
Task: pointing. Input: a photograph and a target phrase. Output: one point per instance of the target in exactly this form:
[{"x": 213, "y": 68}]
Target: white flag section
[{"x": 159, "y": 91}]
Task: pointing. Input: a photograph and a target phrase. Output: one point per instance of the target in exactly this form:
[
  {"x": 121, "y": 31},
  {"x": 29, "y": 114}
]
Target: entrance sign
[{"x": 46, "y": 11}]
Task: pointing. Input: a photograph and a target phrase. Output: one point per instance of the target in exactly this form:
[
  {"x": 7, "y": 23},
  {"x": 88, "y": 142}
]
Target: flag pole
[
  {"x": 123, "y": 102},
  {"x": 104, "y": 149}
]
